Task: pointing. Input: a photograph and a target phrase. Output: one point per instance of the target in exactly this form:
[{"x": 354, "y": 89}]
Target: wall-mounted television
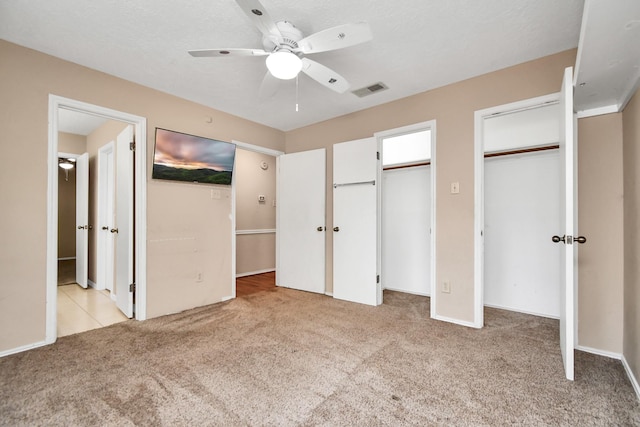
[{"x": 183, "y": 157}]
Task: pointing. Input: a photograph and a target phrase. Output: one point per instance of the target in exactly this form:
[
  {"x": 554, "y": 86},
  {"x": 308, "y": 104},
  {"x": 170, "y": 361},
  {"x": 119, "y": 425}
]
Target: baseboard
[
  {"x": 66, "y": 258},
  {"x": 533, "y": 313},
  {"x": 422, "y": 294},
  {"x": 599, "y": 352},
  {"x": 223, "y": 299},
  {"x": 253, "y": 273},
  {"x": 329, "y": 294},
  {"x": 22, "y": 348},
  {"x": 456, "y": 321},
  {"x": 632, "y": 378},
  {"x": 92, "y": 284}
]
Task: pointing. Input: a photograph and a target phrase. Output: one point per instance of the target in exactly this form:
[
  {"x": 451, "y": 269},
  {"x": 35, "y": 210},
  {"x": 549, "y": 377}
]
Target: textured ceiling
[
  {"x": 608, "y": 67},
  {"x": 418, "y": 45}
]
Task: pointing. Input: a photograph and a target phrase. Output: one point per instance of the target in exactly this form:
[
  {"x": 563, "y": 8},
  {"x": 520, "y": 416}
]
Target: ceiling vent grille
[{"x": 370, "y": 90}]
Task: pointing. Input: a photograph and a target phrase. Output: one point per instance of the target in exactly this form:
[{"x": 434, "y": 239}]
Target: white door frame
[
  {"x": 479, "y": 117},
  {"x": 106, "y": 201},
  {"x": 255, "y": 149},
  {"x": 428, "y": 125},
  {"x": 140, "y": 125}
]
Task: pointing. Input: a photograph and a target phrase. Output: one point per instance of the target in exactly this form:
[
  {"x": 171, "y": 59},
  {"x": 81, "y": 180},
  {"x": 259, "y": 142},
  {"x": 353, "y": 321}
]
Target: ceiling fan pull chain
[{"x": 297, "y": 78}]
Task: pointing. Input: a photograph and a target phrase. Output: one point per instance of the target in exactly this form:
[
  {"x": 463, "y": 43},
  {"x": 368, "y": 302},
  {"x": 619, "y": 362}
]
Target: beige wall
[
  {"x": 600, "y": 212},
  {"x": 453, "y": 109},
  {"x": 189, "y": 233},
  {"x": 631, "y": 136},
  {"x": 71, "y": 143},
  {"x": 179, "y": 213},
  {"x": 66, "y": 213},
  {"x": 255, "y": 252}
]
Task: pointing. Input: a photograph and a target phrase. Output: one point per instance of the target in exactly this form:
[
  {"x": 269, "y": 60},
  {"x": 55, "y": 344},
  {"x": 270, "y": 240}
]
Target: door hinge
[
  {"x": 132, "y": 287},
  {"x": 132, "y": 146},
  {"x": 377, "y": 155},
  {"x": 378, "y": 278}
]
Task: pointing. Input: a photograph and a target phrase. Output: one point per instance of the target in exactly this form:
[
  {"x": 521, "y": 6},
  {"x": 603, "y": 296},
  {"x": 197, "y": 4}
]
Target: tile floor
[{"x": 81, "y": 310}]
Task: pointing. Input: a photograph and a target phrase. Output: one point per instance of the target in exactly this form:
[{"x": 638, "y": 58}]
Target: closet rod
[{"x": 354, "y": 183}]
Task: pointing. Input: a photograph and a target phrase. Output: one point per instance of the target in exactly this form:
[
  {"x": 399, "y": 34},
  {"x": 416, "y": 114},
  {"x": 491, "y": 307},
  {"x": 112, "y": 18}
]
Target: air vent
[{"x": 369, "y": 90}]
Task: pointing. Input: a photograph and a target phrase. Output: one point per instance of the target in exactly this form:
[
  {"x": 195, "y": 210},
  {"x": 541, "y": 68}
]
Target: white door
[
  {"x": 123, "y": 229},
  {"x": 301, "y": 221},
  {"x": 82, "y": 219},
  {"x": 355, "y": 222},
  {"x": 568, "y": 156},
  {"x": 106, "y": 217}
]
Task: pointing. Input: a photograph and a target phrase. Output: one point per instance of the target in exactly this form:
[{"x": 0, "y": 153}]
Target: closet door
[{"x": 355, "y": 222}]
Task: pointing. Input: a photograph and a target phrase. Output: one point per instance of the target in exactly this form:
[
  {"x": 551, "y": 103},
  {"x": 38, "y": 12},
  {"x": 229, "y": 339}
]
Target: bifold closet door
[{"x": 355, "y": 222}]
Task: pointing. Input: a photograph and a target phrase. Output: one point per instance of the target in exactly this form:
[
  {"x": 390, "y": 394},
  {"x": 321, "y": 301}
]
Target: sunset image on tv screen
[{"x": 182, "y": 157}]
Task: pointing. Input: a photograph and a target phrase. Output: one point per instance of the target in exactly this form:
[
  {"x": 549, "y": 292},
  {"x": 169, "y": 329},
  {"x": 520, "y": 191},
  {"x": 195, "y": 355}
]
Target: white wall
[
  {"x": 406, "y": 219},
  {"x": 522, "y": 213}
]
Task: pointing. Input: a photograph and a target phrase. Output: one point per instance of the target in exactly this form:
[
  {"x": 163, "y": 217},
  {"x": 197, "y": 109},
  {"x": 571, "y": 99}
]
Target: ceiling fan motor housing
[{"x": 290, "y": 37}]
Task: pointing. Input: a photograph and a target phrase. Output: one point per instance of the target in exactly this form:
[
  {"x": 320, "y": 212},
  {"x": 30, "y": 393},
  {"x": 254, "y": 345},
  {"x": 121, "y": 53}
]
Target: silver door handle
[
  {"x": 569, "y": 239},
  {"x": 114, "y": 230},
  {"x": 336, "y": 229}
]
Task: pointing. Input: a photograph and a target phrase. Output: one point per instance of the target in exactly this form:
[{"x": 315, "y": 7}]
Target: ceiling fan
[{"x": 285, "y": 47}]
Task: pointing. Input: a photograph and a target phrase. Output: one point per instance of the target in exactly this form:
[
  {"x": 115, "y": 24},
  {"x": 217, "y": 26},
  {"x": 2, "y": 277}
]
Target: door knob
[
  {"x": 83, "y": 227},
  {"x": 105, "y": 228},
  {"x": 336, "y": 229},
  {"x": 320, "y": 228},
  {"x": 569, "y": 239},
  {"x": 114, "y": 230}
]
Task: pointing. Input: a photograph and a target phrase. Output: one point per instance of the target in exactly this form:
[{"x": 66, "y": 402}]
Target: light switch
[
  {"x": 455, "y": 187},
  {"x": 446, "y": 287}
]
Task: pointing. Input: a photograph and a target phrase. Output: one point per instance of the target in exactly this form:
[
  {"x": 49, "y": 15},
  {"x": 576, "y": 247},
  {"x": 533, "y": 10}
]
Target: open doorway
[
  {"x": 254, "y": 211},
  {"x": 79, "y": 131},
  {"x": 408, "y": 209},
  {"x": 86, "y": 295},
  {"x": 520, "y": 265}
]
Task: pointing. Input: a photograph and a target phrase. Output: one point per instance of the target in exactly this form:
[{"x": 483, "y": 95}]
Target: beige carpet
[{"x": 293, "y": 358}]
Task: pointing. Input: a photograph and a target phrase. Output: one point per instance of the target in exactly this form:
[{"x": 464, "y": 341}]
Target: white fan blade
[
  {"x": 198, "y": 53},
  {"x": 324, "y": 75},
  {"x": 336, "y": 38},
  {"x": 269, "y": 86},
  {"x": 260, "y": 18}
]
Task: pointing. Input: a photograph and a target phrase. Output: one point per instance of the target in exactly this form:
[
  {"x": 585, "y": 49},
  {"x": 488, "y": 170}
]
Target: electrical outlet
[{"x": 446, "y": 287}]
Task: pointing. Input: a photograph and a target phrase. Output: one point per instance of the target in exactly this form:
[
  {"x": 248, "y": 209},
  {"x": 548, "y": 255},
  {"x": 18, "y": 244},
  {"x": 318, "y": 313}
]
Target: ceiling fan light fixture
[
  {"x": 65, "y": 164},
  {"x": 284, "y": 65}
]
